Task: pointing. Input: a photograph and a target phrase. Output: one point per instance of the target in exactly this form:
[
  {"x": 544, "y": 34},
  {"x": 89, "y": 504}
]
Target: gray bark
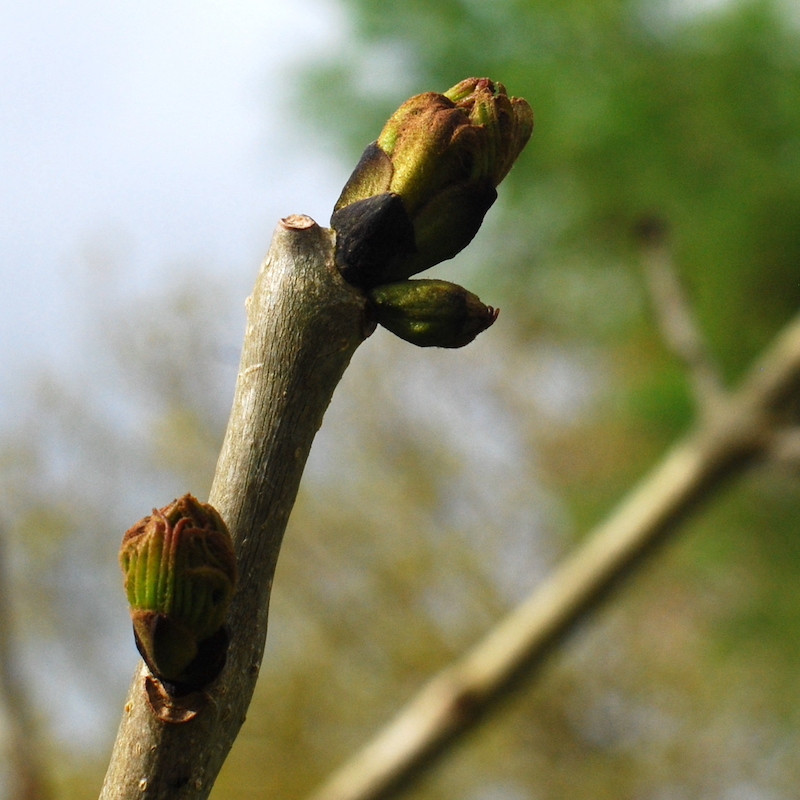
[{"x": 303, "y": 325}]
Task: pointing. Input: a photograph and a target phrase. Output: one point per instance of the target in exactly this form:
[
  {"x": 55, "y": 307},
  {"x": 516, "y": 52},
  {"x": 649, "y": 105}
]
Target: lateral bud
[
  {"x": 431, "y": 313},
  {"x": 180, "y": 575}
]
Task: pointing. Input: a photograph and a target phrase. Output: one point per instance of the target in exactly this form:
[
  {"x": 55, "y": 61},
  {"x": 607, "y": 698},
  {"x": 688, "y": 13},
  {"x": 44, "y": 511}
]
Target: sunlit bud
[
  {"x": 180, "y": 574},
  {"x": 431, "y": 313},
  {"x": 420, "y": 192}
]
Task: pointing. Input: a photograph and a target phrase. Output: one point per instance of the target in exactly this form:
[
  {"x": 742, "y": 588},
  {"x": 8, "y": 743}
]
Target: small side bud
[
  {"x": 431, "y": 313},
  {"x": 180, "y": 575}
]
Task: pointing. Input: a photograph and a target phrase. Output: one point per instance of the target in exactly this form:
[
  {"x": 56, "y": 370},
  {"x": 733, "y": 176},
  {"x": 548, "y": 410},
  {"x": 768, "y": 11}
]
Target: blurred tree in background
[{"x": 444, "y": 485}]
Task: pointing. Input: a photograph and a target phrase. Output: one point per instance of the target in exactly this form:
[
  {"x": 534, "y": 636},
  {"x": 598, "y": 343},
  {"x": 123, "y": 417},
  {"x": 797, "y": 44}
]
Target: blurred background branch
[
  {"x": 676, "y": 319},
  {"x": 726, "y": 441},
  {"x": 785, "y": 447}
]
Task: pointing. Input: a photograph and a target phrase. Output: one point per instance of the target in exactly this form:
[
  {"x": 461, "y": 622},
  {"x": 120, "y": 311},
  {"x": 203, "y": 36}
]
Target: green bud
[
  {"x": 442, "y": 156},
  {"x": 180, "y": 574},
  {"x": 431, "y": 313}
]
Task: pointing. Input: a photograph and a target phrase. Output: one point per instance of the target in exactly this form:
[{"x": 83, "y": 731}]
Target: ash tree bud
[
  {"x": 431, "y": 313},
  {"x": 420, "y": 192},
  {"x": 180, "y": 575}
]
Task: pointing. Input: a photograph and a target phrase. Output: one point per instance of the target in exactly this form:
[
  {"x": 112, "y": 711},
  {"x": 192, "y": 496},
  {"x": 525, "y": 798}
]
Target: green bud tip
[
  {"x": 431, "y": 313},
  {"x": 420, "y": 192},
  {"x": 180, "y": 575}
]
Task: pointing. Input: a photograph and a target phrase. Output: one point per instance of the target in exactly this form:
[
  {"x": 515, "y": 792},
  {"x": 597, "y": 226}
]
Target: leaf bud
[
  {"x": 180, "y": 575},
  {"x": 431, "y": 313},
  {"x": 420, "y": 192}
]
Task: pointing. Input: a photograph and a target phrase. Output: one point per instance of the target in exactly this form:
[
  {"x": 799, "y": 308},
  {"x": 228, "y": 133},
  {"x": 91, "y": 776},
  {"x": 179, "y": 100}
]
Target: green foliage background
[{"x": 444, "y": 485}]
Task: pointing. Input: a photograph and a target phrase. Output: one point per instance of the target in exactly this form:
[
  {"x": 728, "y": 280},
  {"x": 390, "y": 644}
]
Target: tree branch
[
  {"x": 303, "y": 325},
  {"x": 723, "y": 444},
  {"x": 676, "y": 320}
]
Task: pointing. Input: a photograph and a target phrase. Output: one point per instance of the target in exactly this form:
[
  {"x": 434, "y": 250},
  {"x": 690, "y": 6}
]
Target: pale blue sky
[{"x": 147, "y": 127}]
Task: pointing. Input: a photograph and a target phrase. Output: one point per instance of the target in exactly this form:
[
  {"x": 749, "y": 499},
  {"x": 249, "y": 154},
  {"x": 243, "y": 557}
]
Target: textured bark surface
[{"x": 303, "y": 325}]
